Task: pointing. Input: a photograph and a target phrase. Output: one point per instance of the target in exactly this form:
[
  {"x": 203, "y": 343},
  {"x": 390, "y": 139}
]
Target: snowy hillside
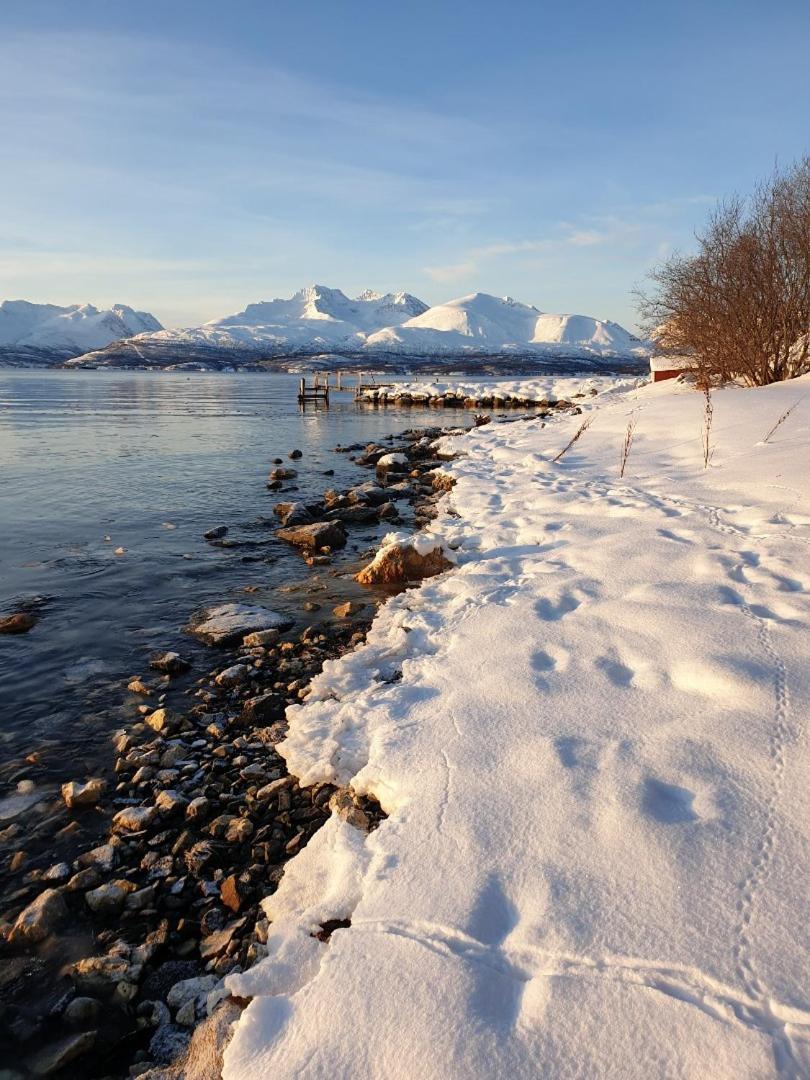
[
  {"x": 49, "y": 332},
  {"x": 590, "y": 739},
  {"x": 320, "y": 320},
  {"x": 483, "y": 323}
]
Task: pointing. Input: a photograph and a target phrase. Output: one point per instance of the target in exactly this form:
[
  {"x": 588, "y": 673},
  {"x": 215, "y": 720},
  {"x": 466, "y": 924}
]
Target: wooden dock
[
  {"x": 339, "y": 381},
  {"x": 318, "y": 391}
]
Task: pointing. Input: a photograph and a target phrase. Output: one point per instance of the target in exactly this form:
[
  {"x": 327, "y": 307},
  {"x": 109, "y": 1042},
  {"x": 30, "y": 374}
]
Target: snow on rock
[
  {"x": 590, "y": 742},
  {"x": 61, "y": 332},
  {"x": 404, "y": 558},
  {"x": 545, "y": 390}
]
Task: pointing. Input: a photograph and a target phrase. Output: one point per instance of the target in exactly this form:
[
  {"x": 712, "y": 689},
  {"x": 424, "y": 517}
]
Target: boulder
[
  {"x": 169, "y": 662},
  {"x": 76, "y": 793},
  {"x": 281, "y": 474},
  {"x": 18, "y": 623},
  {"x": 134, "y": 818},
  {"x": 233, "y": 675},
  {"x": 390, "y": 464},
  {"x": 401, "y": 561},
  {"x": 41, "y": 918},
  {"x": 226, "y": 622},
  {"x": 319, "y": 535},
  {"x": 217, "y": 533},
  {"x": 297, "y": 513}
]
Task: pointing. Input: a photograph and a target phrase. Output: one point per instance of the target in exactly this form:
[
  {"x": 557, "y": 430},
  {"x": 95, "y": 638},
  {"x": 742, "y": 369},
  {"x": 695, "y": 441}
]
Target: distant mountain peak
[{"x": 53, "y": 331}]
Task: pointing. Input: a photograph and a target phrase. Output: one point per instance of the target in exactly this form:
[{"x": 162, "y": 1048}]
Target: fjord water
[{"x": 95, "y": 461}]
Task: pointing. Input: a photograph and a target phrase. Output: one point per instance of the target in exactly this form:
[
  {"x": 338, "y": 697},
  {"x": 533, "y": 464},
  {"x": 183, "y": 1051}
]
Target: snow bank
[
  {"x": 546, "y": 389},
  {"x": 590, "y": 741}
]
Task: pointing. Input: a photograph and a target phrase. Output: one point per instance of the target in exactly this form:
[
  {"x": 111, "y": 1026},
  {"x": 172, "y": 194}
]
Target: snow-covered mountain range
[
  {"x": 390, "y": 329},
  {"x": 47, "y": 333}
]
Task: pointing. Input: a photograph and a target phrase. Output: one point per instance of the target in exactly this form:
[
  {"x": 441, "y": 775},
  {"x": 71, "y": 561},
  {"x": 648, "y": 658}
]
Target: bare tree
[{"x": 740, "y": 306}]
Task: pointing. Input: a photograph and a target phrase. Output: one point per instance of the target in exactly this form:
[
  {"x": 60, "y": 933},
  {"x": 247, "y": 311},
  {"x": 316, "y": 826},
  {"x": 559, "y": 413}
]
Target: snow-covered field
[
  {"x": 595, "y": 767},
  {"x": 546, "y": 388}
]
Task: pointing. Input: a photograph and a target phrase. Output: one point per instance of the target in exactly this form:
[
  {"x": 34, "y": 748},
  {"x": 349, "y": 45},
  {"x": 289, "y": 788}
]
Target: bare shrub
[
  {"x": 583, "y": 427},
  {"x": 782, "y": 419},
  {"x": 706, "y": 434},
  {"x": 740, "y": 306}
]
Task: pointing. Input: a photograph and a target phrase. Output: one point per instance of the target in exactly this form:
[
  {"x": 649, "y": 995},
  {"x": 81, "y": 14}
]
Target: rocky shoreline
[{"x": 127, "y": 900}]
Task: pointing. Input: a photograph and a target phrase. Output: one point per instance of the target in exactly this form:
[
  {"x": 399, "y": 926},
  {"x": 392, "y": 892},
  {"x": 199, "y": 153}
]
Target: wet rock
[
  {"x": 56, "y": 1055},
  {"x": 108, "y": 899},
  {"x": 354, "y": 515},
  {"x": 216, "y": 533},
  {"x": 281, "y": 474},
  {"x": 169, "y": 662},
  {"x": 226, "y": 622},
  {"x": 233, "y": 675},
  {"x": 134, "y": 819},
  {"x": 18, "y": 623},
  {"x": 75, "y": 793},
  {"x": 137, "y": 686},
  {"x": 296, "y": 513},
  {"x": 295, "y": 455},
  {"x": 401, "y": 562},
  {"x": 260, "y": 639},
  {"x": 321, "y": 534},
  {"x": 42, "y": 917},
  {"x": 349, "y": 608}
]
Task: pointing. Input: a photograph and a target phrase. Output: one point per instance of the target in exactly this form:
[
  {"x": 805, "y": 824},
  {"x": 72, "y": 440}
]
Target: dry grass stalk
[
  {"x": 706, "y": 435},
  {"x": 782, "y": 419},
  {"x": 583, "y": 427},
  {"x": 628, "y": 442}
]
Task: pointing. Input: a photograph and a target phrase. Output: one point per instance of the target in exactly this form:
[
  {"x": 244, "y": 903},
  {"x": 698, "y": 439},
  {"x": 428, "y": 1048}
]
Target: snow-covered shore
[
  {"x": 589, "y": 738},
  {"x": 502, "y": 392}
]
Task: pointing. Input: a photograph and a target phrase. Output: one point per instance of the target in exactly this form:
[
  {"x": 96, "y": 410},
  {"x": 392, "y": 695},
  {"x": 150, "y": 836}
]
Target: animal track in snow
[{"x": 669, "y": 804}]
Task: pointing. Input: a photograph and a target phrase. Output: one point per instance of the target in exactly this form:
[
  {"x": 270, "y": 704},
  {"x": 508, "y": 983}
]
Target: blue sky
[{"x": 190, "y": 158}]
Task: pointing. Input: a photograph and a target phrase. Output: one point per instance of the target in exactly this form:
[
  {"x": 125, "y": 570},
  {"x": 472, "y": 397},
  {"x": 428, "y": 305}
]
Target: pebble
[{"x": 42, "y": 917}]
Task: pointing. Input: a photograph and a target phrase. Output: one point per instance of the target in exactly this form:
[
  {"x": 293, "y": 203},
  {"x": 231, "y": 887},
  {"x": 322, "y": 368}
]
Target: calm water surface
[{"x": 93, "y": 461}]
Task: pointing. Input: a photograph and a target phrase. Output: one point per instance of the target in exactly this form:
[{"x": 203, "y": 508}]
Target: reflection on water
[{"x": 95, "y": 461}]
